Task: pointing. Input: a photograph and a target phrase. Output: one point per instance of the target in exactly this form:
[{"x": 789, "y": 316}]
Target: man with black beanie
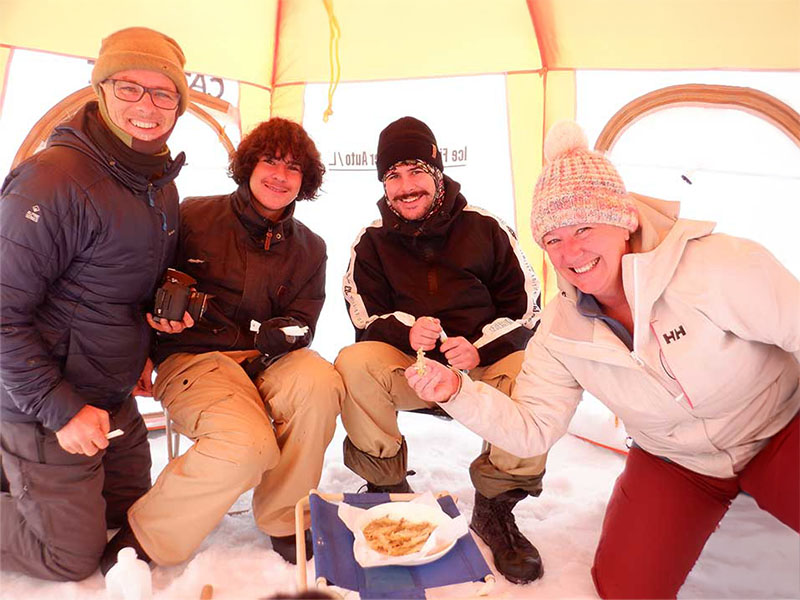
[
  {"x": 437, "y": 276},
  {"x": 87, "y": 228}
]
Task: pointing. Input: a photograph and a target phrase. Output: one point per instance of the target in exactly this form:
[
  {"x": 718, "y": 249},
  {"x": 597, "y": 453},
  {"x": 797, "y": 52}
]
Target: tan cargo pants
[
  {"x": 376, "y": 388},
  {"x": 270, "y": 435}
]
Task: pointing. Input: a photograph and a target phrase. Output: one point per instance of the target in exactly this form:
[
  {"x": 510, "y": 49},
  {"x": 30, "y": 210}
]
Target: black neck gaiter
[{"x": 150, "y": 166}]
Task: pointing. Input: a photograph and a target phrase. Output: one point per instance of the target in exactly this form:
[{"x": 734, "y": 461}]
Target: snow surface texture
[{"x": 752, "y": 555}]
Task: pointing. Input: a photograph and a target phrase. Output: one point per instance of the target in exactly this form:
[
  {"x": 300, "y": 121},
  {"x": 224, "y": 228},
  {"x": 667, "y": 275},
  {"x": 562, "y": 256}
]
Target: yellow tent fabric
[
  {"x": 285, "y": 42},
  {"x": 275, "y": 47}
]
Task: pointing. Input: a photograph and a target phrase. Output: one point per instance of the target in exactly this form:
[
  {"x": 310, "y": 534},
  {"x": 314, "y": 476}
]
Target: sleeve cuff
[
  {"x": 59, "y": 406},
  {"x": 460, "y": 376}
]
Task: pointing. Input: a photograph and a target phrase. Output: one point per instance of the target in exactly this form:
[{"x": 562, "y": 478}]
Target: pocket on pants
[{"x": 180, "y": 380}]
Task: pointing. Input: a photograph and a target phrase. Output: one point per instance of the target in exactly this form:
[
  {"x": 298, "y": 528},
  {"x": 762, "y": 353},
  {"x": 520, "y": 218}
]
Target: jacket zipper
[
  {"x": 268, "y": 239},
  {"x": 152, "y": 202},
  {"x": 637, "y": 359},
  {"x": 672, "y": 372}
]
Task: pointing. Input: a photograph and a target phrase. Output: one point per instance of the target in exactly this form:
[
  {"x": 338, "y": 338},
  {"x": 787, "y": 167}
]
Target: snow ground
[{"x": 752, "y": 555}]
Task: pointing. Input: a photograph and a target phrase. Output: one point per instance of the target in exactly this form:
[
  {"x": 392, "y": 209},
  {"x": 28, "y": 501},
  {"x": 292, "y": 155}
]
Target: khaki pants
[
  {"x": 270, "y": 435},
  {"x": 376, "y": 388}
]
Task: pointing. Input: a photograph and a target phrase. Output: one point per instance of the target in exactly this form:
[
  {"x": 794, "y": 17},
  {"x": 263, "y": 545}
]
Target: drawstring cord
[{"x": 334, "y": 43}]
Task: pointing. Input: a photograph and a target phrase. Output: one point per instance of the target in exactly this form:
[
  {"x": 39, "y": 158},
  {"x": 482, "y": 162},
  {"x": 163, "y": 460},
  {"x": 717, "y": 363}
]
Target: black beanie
[{"x": 407, "y": 139}]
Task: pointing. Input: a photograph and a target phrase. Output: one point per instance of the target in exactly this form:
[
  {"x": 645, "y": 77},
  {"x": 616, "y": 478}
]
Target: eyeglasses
[{"x": 128, "y": 91}]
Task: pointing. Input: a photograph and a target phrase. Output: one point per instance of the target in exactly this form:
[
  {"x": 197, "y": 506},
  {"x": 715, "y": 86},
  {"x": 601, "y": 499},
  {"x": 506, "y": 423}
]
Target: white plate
[{"x": 412, "y": 511}]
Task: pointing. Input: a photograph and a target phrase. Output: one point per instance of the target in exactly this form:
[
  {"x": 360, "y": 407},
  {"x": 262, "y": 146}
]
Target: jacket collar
[
  {"x": 72, "y": 134},
  {"x": 257, "y": 226},
  {"x": 438, "y": 225}
]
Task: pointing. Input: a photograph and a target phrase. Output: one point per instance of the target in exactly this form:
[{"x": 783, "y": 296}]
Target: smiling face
[
  {"x": 410, "y": 191},
  {"x": 142, "y": 119},
  {"x": 590, "y": 258},
  {"x": 275, "y": 183}
]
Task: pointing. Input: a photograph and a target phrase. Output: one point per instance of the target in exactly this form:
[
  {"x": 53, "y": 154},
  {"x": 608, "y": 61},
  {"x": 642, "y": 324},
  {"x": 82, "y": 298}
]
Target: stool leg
[{"x": 173, "y": 438}]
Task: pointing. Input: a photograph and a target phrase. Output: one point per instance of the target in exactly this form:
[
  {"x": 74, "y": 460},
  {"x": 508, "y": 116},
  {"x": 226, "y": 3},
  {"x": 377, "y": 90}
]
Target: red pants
[{"x": 661, "y": 514}]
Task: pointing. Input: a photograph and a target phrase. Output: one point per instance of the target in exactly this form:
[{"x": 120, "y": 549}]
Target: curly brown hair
[{"x": 279, "y": 137}]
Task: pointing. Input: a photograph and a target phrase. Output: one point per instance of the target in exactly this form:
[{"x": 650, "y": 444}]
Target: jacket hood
[{"x": 452, "y": 205}]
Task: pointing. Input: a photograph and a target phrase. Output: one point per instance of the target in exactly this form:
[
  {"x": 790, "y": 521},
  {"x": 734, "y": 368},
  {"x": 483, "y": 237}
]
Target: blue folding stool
[{"x": 335, "y": 564}]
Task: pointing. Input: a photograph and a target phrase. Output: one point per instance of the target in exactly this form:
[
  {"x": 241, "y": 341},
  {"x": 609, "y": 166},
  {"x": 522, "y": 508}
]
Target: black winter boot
[
  {"x": 286, "y": 546},
  {"x": 514, "y": 556},
  {"x": 124, "y": 538}
]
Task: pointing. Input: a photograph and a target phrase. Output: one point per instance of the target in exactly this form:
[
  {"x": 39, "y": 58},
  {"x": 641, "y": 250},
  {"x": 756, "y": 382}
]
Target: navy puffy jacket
[{"x": 84, "y": 243}]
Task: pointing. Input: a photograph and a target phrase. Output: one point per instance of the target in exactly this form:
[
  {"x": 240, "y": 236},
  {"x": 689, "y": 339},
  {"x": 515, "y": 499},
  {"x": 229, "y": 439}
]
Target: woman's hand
[{"x": 436, "y": 384}]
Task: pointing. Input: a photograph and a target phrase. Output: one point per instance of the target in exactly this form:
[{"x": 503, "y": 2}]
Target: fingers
[
  {"x": 431, "y": 324},
  {"x": 188, "y": 321},
  {"x": 423, "y": 385},
  {"x": 460, "y": 353},
  {"x": 435, "y": 385},
  {"x": 144, "y": 387},
  {"x": 93, "y": 445},
  {"x": 426, "y": 345},
  {"x": 173, "y": 326},
  {"x": 422, "y": 339},
  {"x": 165, "y": 326},
  {"x": 143, "y": 390},
  {"x": 84, "y": 442}
]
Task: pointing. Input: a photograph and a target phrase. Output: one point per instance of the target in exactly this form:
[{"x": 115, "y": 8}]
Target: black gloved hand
[{"x": 273, "y": 342}]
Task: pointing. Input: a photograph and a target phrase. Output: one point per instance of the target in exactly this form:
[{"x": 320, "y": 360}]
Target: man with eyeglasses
[{"x": 87, "y": 228}]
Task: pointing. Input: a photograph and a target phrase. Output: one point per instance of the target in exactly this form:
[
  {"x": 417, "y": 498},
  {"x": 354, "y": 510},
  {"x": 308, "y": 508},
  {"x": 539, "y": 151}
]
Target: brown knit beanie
[
  {"x": 578, "y": 186},
  {"x": 142, "y": 48}
]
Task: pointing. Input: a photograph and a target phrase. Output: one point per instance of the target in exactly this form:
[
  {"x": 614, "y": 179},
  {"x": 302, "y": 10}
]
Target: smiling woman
[
  {"x": 590, "y": 258},
  {"x": 652, "y": 320}
]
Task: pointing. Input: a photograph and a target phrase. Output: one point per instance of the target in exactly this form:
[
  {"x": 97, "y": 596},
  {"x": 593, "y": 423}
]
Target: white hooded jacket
[{"x": 714, "y": 371}]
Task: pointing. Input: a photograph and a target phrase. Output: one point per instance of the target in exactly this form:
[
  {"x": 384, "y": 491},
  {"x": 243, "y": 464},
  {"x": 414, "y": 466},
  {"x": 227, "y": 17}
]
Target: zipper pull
[
  {"x": 267, "y": 239},
  {"x": 150, "y": 195},
  {"x": 636, "y": 359}
]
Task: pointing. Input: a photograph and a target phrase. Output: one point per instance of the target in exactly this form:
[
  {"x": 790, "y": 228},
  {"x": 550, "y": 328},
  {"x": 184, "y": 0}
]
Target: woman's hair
[{"x": 277, "y": 138}]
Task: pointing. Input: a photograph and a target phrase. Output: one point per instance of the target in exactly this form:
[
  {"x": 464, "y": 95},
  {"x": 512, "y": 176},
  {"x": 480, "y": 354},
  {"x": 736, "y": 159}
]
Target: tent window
[
  {"x": 38, "y": 80},
  {"x": 733, "y": 167}
]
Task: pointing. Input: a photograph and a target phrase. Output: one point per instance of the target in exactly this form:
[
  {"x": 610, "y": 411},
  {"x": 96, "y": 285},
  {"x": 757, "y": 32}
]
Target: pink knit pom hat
[{"x": 578, "y": 186}]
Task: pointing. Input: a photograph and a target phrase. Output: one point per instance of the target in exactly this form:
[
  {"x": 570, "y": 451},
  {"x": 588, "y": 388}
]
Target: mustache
[{"x": 416, "y": 194}]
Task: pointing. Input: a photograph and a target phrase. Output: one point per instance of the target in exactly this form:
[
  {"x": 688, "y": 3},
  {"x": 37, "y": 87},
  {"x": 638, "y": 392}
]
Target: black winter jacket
[
  {"x": 84, "y": 242},
  {"x": 462, "y": 266},
  {"x": 255, "y": 269}
]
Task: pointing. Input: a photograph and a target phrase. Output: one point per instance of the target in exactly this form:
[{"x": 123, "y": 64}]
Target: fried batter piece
[
  {"x": 397, "y": 537},
  {"x": 420, "y": 364}
]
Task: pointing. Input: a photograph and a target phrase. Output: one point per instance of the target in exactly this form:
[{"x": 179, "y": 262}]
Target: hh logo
[{"x": 674, "y": 335}]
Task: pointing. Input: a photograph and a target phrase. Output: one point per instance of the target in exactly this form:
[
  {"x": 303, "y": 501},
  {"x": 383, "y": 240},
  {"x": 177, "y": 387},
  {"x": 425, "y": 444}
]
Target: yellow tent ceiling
[{"x": 422, "y": 38}]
